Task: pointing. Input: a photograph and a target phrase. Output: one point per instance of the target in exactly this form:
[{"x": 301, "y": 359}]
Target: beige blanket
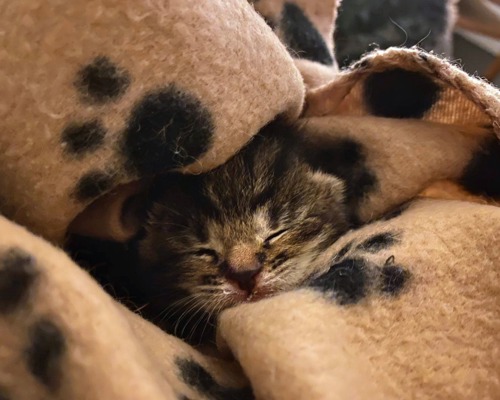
[{"x": 100, "y": 95}]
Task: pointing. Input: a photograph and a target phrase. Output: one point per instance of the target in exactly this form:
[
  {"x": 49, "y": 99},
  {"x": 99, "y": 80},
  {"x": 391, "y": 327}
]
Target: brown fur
[{"x": 253, "y": 227}]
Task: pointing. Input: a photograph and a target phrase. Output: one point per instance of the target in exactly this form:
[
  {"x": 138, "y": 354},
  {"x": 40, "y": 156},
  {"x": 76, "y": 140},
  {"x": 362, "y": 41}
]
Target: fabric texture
[{"x": 98, "y": 96}]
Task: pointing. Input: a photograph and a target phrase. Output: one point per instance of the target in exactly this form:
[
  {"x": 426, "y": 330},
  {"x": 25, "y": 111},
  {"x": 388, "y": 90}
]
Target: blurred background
[{"x": 467, "y": 31}]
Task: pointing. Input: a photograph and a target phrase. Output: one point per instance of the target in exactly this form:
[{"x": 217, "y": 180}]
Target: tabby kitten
[{"x": 242, "y": 232}]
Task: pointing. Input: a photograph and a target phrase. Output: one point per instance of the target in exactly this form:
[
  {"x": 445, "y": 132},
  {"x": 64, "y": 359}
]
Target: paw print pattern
[
  {"x": 82, "y": 138},
  {"x": 352, "y": 276},
  {"x": 378, "y": 242},
  {"x": 482, "y": 175},
  {"x": 46, "y": 345},
  {"x": 302, "y": 37},
  {"x": 198, "y": 378},
  {"x": 297, "y": 32},
  {"x": 101, "y": 81},
  {"x": 17, "y": 276},
  {"x": 44, "y": 353},
  {"x": 93, "y": 184},
  {"x": 167, "y": 128},
  {"x": 398, "y": 93}
]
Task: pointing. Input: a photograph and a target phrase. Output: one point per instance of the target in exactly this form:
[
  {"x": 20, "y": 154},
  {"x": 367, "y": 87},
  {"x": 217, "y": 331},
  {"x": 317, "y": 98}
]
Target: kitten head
[{"x": 242, "y": 232}]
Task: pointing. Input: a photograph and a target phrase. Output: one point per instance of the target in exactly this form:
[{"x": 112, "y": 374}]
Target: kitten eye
[
  {"x": 268, "y": 241},
  {"x": 209, "y": 254}
]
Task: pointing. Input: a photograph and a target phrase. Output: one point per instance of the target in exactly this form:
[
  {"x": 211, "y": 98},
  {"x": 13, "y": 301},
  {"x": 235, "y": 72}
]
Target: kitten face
[{"x": 243, "y": 232}]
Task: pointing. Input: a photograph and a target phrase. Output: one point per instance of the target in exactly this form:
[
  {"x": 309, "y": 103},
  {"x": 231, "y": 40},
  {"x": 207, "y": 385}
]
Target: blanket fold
[
  {"x": 416, "y": 337},
  {"x": 100, "y": 80}
]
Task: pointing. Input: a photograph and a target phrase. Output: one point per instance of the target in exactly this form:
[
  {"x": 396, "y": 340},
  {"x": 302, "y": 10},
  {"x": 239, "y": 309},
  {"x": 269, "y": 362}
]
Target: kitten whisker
[
  {"x": 195, "y": 306},
  {"x": 211, "y": 312},
  {"x": 195, "y": 313},
  {"x": 207, "y": 312},
  {"x": 177, "y": 305}
]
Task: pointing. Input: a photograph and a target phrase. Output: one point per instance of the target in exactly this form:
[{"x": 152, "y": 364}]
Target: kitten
[
  {"x": 260, "y": 224},
  {"x": 242, "y": 232}
]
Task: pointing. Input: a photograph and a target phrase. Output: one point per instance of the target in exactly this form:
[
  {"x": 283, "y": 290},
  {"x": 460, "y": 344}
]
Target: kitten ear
[
  {"x": 335, "y": 185},
  {"x": 117, "y": 216}
]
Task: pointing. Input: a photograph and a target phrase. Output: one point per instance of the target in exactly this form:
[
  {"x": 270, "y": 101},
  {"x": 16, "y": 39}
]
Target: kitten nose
[
  {"x": 245, "y": 279},
  {"x": 243, "y": 266}
]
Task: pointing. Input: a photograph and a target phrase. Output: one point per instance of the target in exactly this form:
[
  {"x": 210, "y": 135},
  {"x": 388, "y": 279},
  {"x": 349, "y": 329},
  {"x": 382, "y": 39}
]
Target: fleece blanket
[{"x": 100, "y": 95}]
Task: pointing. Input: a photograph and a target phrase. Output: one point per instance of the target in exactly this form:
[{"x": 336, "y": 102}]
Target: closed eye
[
  {"x": 207, "y": 253},
  {"x": 268, "y": 241}
]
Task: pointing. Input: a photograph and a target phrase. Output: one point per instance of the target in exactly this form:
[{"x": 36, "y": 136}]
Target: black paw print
[
  {"x": 198, "y": 378},
  {"x": 352, "y": 276},
  {"x": 399, "y": 93},
  {"x": 46, "y": 345},
  {"x": 167, "y": 128},
  {"x": 298, "y": 32}
]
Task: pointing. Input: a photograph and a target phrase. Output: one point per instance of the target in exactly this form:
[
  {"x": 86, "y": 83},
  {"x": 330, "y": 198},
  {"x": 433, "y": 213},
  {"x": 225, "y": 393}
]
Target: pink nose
[
  {"x": 243, "y": 266},
  {"x": 244, "y": 278}
]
